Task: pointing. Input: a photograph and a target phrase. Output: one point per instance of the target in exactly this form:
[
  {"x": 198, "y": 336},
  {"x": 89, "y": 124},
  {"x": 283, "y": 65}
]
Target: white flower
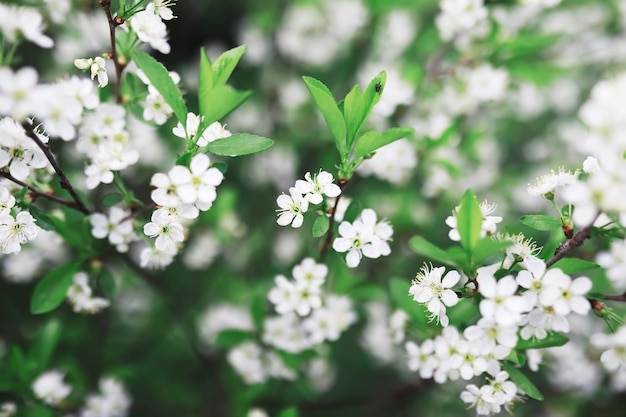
[
  {"x": 150, "y": 29},
  {"x": 213, "y": 132},
  {"x": 117, "y": 226},
  {"x": 614, "y": 263},
  {"x": 113, "y": 400},
  {"x": 7, "y": 201},
  {"x": 14, "y": 232},
  {"x": 97, "y": 68},
  {"x": 364, "y": 237},
  {"x": 421, "y": 358},
  {"x": 80, "y": 296},
  {"x": 168, "y": 233},
  {"x": 313, "y": 189},
  {"x": 481, "y": 398},
  {"x": 50, "y": 388},
  {"x": 310, "y": 272},
  {"x": 291, "y": 208},
  {"x": 282, "y": 295},
  {"x": 435, "y": 292},
  {"x": 500, "y": 303},
  {"x": 18, "y": 91},
  {"x": 571, "y": 296},
  {"x": 524, "y": 251},
  {"x": 614, "y": 356},
  {"x": 23, "y": 21},
  {"x": 546, "y": 185}
]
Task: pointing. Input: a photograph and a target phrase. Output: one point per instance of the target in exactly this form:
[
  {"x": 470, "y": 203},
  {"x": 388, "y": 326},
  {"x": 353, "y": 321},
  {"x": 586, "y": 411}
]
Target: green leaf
[
  {"x": 522, "y": 382},
  {"x": 541, "y": 222},
  {"x": 469, "y": 221},
  {"x": 371, "y": 141},
  {"x": 257, "y": 309},
  {"x": 224, "y": 65},
  {"x": 185, "y": 158},
  {"x": 217, "y": 102},
  {"x": 320, "y": 227},
  {"x": 358, "y": 105},
  {"x": 328, "y": 106},
  {"x": 574, "y": 265},
  {"x": 239, "y": 144},
  {"x": 45, "y": 343},
  {"x": 110, "y": 200},
  {"x": 232, "y": 337},
  {"x": 161, "y": 80},
  {"x": 289, "y": 412},
  {"x": 487, "y": 247},
  {"x": 399, "y": 291},
  {"x": 353, "y": 211},
  {"x": 52, "y": 289},
  {"x": 463, "y": 312},
  {"x": 423, "y": 247},
  {"x": 45, "y": 221},
  {"x": 553, "y": 339},
  {"x": 368, "y": 293},
  {"x": 106, "y": 283}
]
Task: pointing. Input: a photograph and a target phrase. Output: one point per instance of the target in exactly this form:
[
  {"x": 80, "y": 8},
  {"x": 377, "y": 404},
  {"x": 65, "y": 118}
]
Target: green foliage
[
  {"x": 541, "y": 222},
  {"x": 574, "y": 265},
  {"x": 161, "y": 80},
  {"x": 553, "y": 339},
  {"x": 469, "y": 221},
  {"x": 239, "y": 144},
  {"x": 215, "y": 98},
  {"x": 522, "y": 382},
  {"x": 52, "y": 289},
  {"x": 320, "y": 227}
]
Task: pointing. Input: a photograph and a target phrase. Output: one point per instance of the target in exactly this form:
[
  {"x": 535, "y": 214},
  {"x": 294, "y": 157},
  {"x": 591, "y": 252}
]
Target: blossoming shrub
[{"x": 360, "y": 208}]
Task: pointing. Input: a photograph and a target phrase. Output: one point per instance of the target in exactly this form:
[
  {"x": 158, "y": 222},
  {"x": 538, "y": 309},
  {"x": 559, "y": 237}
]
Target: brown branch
[
  {"x": 39, "y": 193},
  {"x": 329, "y": 234},
  {"x": 63, "y": 180},
  {"x": 575, "y": 241},
  {"x": 114, "y": 22},
  {"x": 621, "y": 297}
]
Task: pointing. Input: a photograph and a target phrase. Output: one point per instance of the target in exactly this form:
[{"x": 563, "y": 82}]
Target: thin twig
[
  {"x": 39, "y": 193},
  {"x": 119, "y": 67},
  {"x": 63, "y": 180},
  {"x": 331, "y": 223},
  {"x": 621, "y": 297},
  {"x": 575, "y": 241}
]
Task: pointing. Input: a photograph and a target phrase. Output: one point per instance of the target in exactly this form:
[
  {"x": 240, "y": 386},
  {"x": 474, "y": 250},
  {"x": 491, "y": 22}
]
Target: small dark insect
[{"x": 377, "y": 87}]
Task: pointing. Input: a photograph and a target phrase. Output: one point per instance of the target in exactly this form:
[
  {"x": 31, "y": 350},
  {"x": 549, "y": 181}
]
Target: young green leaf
[
  {"x": 218, "y": 102},
  {"x": 45, "y": 221},
  {"x": 553, "y": 339},
  {"x": 469, "y": 220},
  {"x": 328, "y": 106},
  {"x": 368, "y": 142},
  {"x": 106, "y": 283},
  {"x": 541, "y": 222},
  {"x": 45, "y": 343},
  {"x": 574, "y": 265},
  {"x": 224, "y": 65},
  {"x": 161, "y": 80},
  {"x": 52, "y": 289},
  {"x": 522, "y": 382},
  {"x": 320, "y": 227},
  {"x": 239, "y": 144},
  {"x": 110, "y": 200},
  {"x": 488, "y": 247},
  {"x": 232, "y": 337},
  {"x": 423, "y": 247},
  {"x": 358, "y": 105}
]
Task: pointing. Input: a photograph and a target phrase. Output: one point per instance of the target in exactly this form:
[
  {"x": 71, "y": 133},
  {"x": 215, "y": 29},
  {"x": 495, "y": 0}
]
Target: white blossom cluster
[
  {"x": 112, "y": 401},
  {"x": 18, "y": 22},
  {"x": 14, "y": 230},
  {"x": 365, "y": 236},
  {"x": 303, "y": 294},
  {"x": 256, "y": 365},
  {"x": 50, "y": 388},
  {"x": 80, "y": 296},
  {"x": 394, "y": 162},
  {"x": 117, "y": 226},
  {"x": 292, "y": 333},
  {"x": 7, "y": 409},
  {"x": 311, "y": 190},
  {"x": 103, "y": 138},
  {"x": 605, "y": 185},
  {"x": 462, "y": 21},
  {"x": 149, "y": 27},
  {"x": 223, "y": 316},
  {"x": 180, "y": 195},
  {"x": 315, "y": 34},
  {"x": 384, "y": 333}
]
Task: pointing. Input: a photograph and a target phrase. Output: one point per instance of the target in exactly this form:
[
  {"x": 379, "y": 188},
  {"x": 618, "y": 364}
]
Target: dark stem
[
  {"x": 137, "y": 212},
  {"x": 37, "y": 192},
  {"x": 63, "y": 180},
  {"x": 575, "y": 241},
  {"x": 119, "y": 67},
  {"x": 621, "y": 297},
  {"x": 329, "y": 234}
]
